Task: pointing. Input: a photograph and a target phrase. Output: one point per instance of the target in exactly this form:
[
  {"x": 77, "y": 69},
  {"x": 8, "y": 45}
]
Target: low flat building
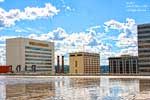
[
  {"x": 29, "y": 55},
  {"x": 84, "y": 63},
  {"x": 125, "y": 64}
]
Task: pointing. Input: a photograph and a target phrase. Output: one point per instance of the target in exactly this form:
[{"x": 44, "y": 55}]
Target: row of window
[
  {"x": 44, "y": 70},
  {"x": 91, "y": 65},
  {"x": 116, "y": 62},
  {"x": 40, "y": 63},
  {"x": 120, "y": 65},
  {"x": 144, "y": 34},
  {"x": 144, "y": 55},
  {"x": 91, "y": 61},
  {"x": 141, "y": 65},
  {"x": 38, "y": 56},
  {"x": 144, "y": 63},
  {"x": 71, "y": 55},
  {"x": 35, "y": 48},
  {"x": 33, "y": 52},
  {"x": 144, "y": 46},
  {"x": 144, "y": 31},
  {"x": 144, "y": 51},
  {"x": 145, "y": 70},
  {"x": 144, "y": 41},
  {"x": 144, "y": 37},
  {"x": 143, "y": 27},
  {"x": 120, "y": 70},
  {"x": 31, "y": 59},
  {"x": 42, "y": 66},
  {"x": 87, "y": 63},
  {"x": 91, "y": 70}
]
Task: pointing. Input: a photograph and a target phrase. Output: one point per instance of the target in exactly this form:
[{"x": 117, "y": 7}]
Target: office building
[
  {"x": 30, "y": 55},
  {"x": 144, "y": 48},
  {"x": 125, "y": 64},
  {"x": 84, "y": 63}
]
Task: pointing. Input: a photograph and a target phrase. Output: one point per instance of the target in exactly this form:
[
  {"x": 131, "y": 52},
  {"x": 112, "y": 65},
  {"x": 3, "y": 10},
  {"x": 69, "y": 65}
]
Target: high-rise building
[
  {"x": 123, "y": 65},
  {"x": 30, "y": 55},
  {"x": 84, "y": 63},
  {"x": 144, "y": 48}
]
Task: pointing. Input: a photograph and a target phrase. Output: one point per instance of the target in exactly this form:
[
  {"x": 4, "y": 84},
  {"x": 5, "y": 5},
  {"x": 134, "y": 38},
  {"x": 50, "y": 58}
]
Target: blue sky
[{"x": 107, "y": 27}]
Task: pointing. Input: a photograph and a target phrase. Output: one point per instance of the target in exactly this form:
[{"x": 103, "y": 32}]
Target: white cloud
[
  {"x": 1, "y": 1},
  {"x": 66, "y": 7},
  {"x": 93, "y": 41},
  {"x": 72, "y": 42},
  {"x": 30, "y": 13},
  {"x": 112, "y": 24},
  {"x": 129, "y": 25},
  {"x": 130, "y": 51},
  {"x": 2, "y": 45},
  {"x": 127, "y": 32},
  {"x": 2, "y": 56},
  {"x": 3, "y": 38}
]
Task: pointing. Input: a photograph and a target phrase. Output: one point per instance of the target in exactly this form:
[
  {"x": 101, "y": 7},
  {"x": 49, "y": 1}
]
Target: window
[
  {"x": 76, "y": 71},
  {"x": 134, "y": 66},
  {"x": 76, "y": 64},
  {"x": 114, "y": 65},
  {"x": 79, "y": 54},
  {"x": 121, "y": 69},
  {"x": 127, "y": 66}
]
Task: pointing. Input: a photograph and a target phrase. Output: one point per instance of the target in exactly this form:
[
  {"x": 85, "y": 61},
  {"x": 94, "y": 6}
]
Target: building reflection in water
[
  {"x": 144, "y": 85},
  {"x": 28, "y": 91},
  {"x": 66, "y": 88}
]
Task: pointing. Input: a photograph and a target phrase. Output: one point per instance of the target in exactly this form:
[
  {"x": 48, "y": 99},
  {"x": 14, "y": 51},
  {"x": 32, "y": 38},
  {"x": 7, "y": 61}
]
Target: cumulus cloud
[
  {"x": 127, "y": 32},
  {"x": 92, "y": 40},
  {"x": 130, "y": 51},
  {"x": 2, "y": 56},
  {"x": 30, "y": 13},
  {"x": 128, "y": 25},
  {"x": 113, "y": 24},
  {"x": 1, "y": 1},
  {"x": 3, "y": 38},
  {"x": 88, "y": 41}
]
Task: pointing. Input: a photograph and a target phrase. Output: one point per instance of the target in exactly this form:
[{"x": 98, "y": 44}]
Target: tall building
[
  {"x": 144, "y": 48},
  {"x": 84, "y": 63},
  {"x": 30, "y": 54},
  {"x": 123, "y": 65}
]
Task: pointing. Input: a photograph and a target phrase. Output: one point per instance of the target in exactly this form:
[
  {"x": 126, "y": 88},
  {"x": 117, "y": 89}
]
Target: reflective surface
[{"x": 74, "y": 88}]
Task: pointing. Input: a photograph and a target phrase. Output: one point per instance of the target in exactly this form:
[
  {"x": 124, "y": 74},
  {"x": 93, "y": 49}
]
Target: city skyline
[{"x": 109, "y": 27}]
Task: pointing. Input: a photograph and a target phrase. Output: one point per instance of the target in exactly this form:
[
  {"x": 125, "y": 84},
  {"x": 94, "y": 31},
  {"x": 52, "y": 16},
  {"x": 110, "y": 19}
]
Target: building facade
[
  {"x": 144, "y": 48},
  {"x": 123, "y": 65},
  {"x": 84, "y": 63},
  {"x": 27, "y": 53}
]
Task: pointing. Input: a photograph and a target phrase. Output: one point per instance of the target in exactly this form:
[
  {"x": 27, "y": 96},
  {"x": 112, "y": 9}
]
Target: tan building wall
[
  {"x": 23, "y": 51},
  {"x": 84, "y": 63},
  {"x": 76, "y": 64}
]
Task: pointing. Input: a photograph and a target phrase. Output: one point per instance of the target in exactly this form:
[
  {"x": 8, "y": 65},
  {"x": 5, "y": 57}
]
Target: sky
[{"x": 108, "y": 27}]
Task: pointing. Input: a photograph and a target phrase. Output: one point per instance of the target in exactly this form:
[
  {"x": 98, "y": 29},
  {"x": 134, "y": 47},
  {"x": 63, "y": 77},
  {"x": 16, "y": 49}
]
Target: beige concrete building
[
  {"x": 125, "y": 64},
  {"x": 84, "y": 63},
  {"x": 28, "y": 52}
]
